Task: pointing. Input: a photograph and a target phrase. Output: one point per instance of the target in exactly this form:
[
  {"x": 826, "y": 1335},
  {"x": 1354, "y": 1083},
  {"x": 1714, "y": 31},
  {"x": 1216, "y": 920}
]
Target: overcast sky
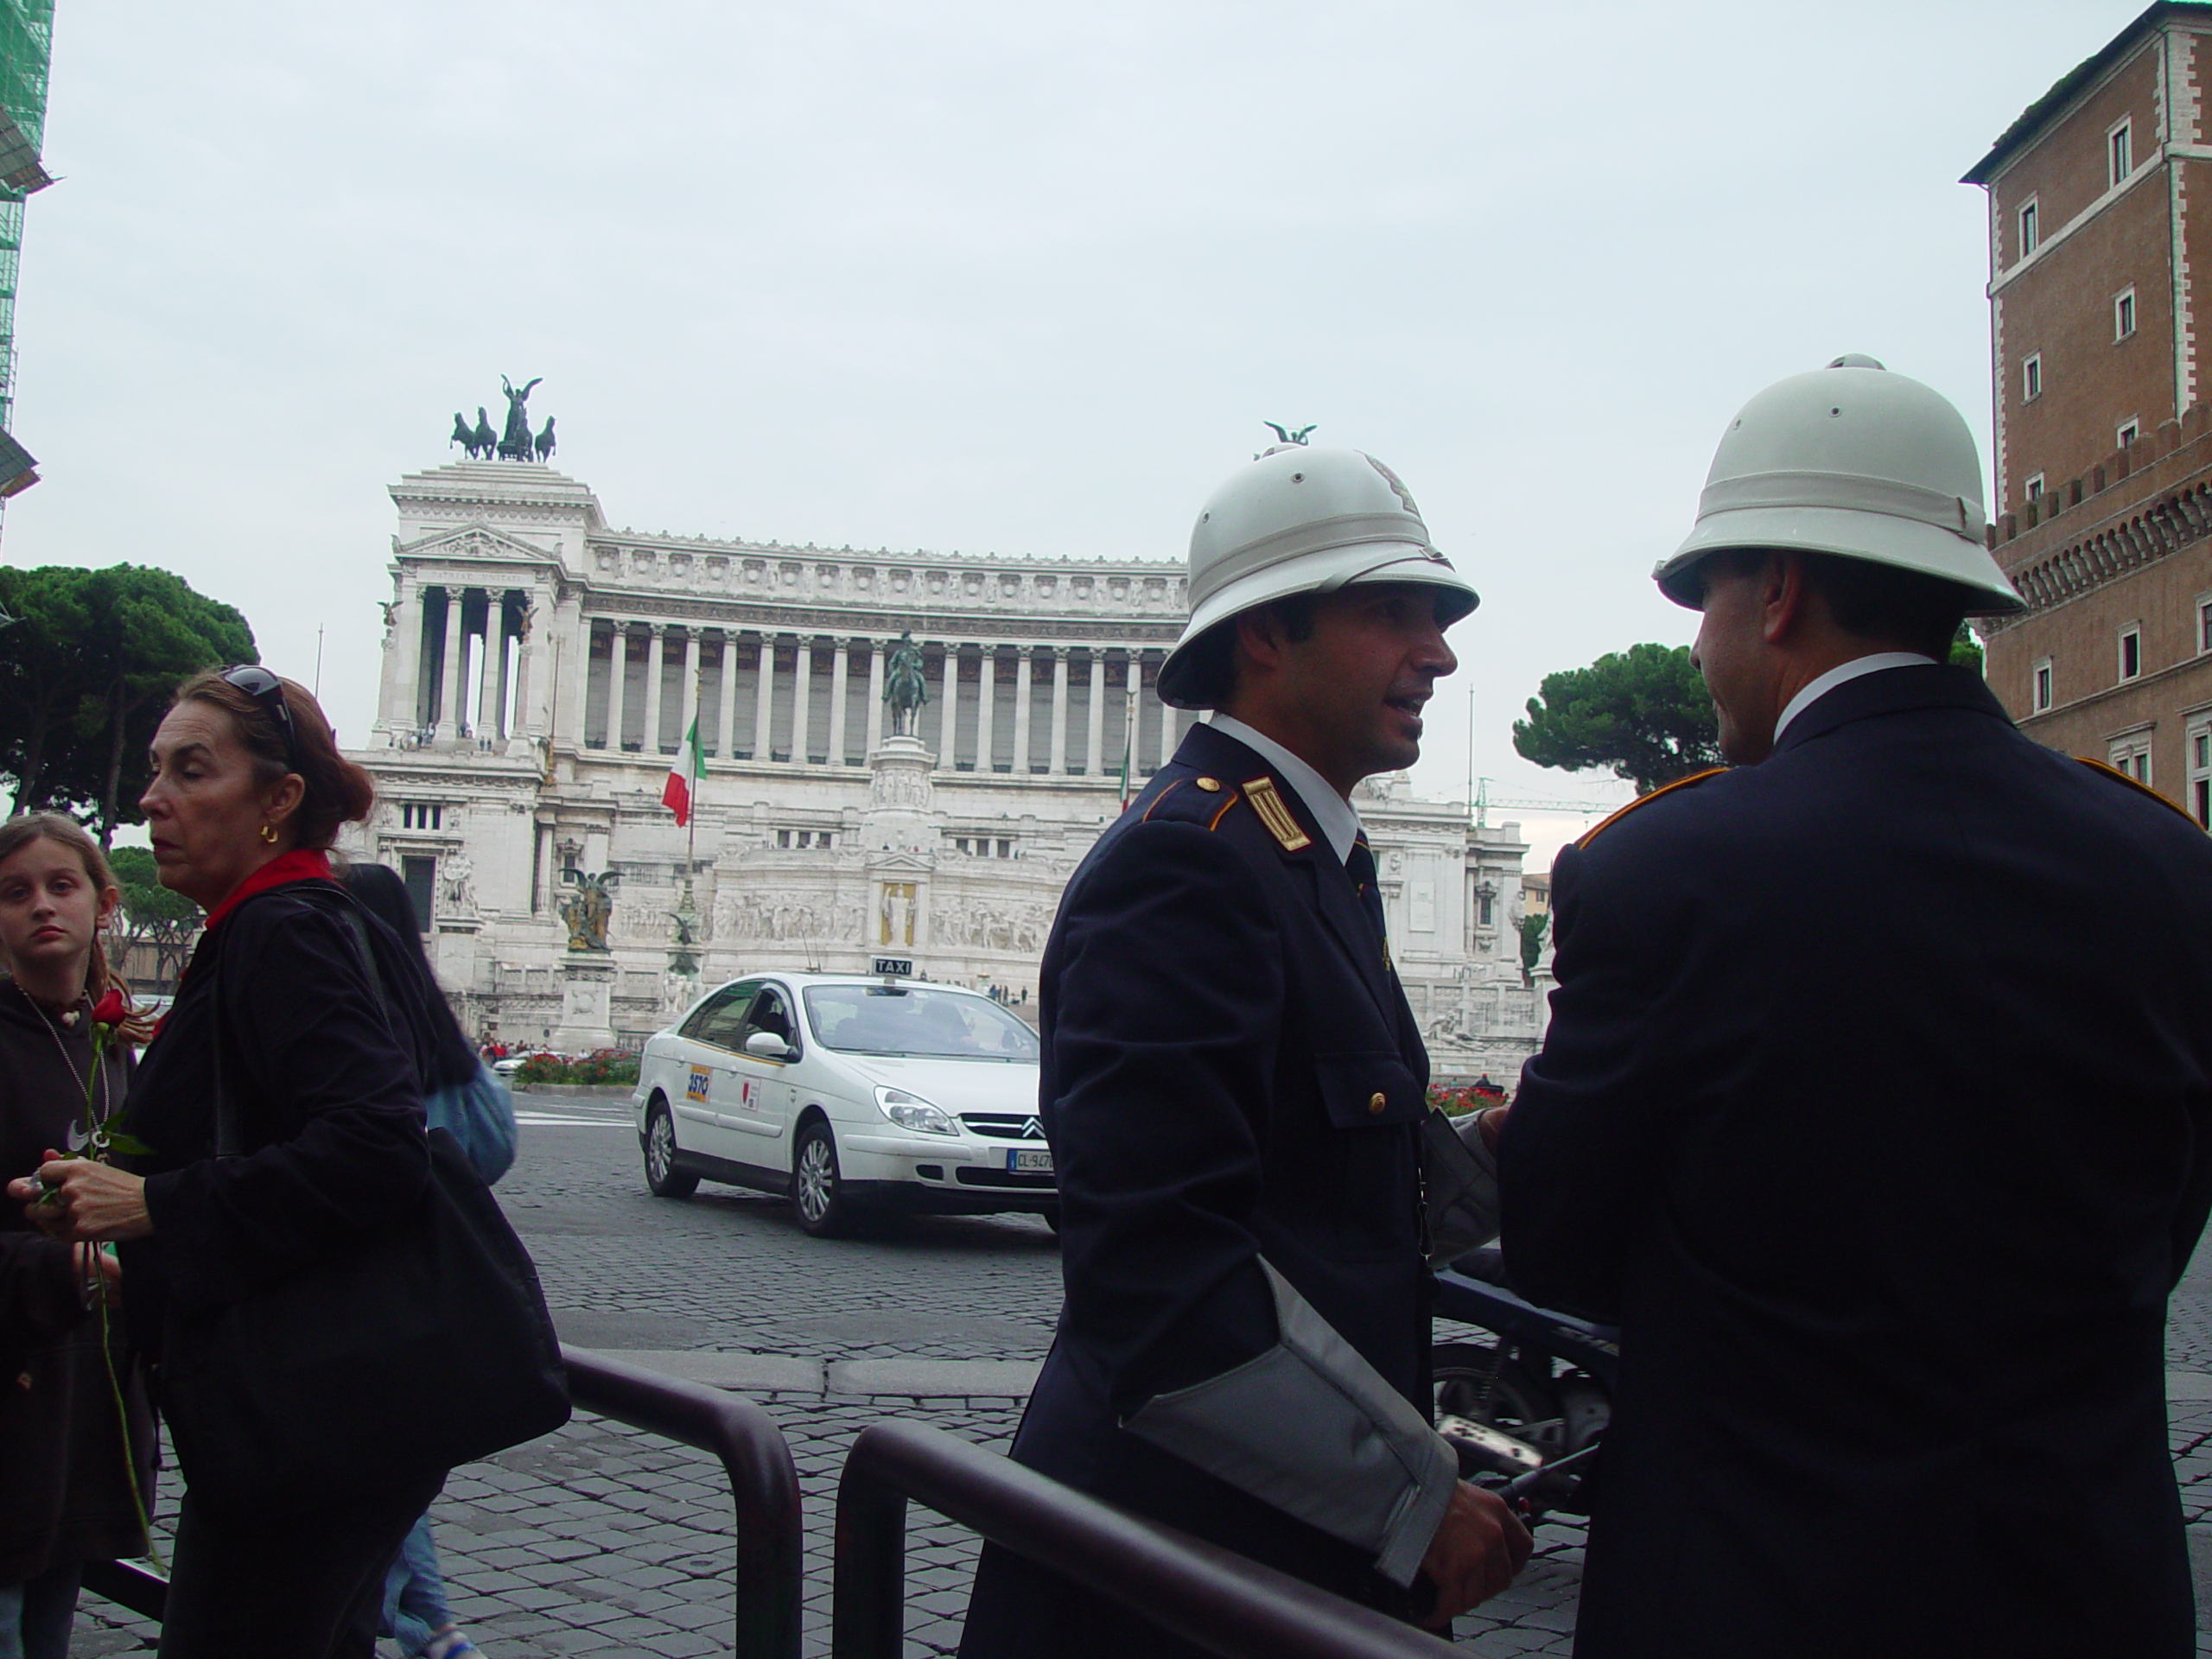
[{"x": 1014, "y": 277}]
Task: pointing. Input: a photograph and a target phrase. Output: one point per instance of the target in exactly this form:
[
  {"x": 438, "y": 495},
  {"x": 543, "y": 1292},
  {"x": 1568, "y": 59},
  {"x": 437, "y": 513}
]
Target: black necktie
[{"x": 1359, "y": 864}]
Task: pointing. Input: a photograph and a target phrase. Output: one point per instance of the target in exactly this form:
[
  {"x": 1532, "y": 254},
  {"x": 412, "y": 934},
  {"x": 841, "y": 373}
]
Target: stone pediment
[
  {"x": 895, "y": 863},
  {"x": 477, "y": 542}
]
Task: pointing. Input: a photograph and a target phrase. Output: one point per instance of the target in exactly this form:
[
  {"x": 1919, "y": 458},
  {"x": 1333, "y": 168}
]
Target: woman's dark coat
[{"x": 331, "y": 1108}]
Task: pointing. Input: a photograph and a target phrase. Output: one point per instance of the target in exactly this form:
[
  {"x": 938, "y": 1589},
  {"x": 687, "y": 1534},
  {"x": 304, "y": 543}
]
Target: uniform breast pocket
[
  {"x": 1365, "y": 1202},
  {"x": 1367, "y": 1089}
]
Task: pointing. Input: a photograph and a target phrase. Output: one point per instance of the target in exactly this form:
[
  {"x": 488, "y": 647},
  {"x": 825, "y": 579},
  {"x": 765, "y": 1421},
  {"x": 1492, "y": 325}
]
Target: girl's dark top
[
  {"x": 64, "y": 1497},
  {"x": 328, "y": 1097}
]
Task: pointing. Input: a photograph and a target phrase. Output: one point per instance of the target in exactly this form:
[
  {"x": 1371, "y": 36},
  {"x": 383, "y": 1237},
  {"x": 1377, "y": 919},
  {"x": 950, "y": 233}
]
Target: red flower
[{"x": 112, "y": 1010}]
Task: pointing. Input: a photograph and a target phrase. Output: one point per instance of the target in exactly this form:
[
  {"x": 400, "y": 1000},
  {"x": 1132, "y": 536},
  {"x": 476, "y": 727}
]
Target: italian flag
[{"x": 678, "y": 793}]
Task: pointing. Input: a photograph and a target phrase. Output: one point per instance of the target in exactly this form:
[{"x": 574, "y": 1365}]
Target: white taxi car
[{"x": 846, "y": 1092}]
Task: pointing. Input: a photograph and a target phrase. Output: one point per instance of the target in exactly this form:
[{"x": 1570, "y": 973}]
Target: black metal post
[
  {"x": 1225, "y": 1602},
  {"x": 764, "y": 1484}
]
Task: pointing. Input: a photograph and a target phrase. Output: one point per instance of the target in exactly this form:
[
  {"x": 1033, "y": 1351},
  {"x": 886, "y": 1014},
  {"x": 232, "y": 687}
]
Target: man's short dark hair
[
  {"x": 1881, "y": 604},
  {"x": 1210, "y": 680}
]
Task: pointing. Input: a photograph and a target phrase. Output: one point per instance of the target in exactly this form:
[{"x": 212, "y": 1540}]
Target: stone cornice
[{"x": 823, "y": 621}]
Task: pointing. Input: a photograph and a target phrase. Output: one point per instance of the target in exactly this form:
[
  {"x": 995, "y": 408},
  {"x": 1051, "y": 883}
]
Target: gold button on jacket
[{"x": 1375, "y": 1102}]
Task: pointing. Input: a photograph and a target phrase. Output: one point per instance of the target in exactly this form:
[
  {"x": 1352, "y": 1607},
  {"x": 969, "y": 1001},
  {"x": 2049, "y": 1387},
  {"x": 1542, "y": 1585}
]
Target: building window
[
  {"x": 421, "y": 814},
  {"x": 2133, "y": 756},
  {"x": 2121, "y": 145},
  {"x": 2130, "y": 430},
  {"x": 2123, "y": 313},
  {"x": 420, "y": 875},
  {"x": 2204, "y": 624},
  {"x": 2200, "y": 773},
  {"x": 2031, "y": 379},
  {"x": 2035, "y": 486},
  {"x": 2043, "y": 685},
  {"x": 2029, "y": 236},
  {"x": 2131, "y": 651}
]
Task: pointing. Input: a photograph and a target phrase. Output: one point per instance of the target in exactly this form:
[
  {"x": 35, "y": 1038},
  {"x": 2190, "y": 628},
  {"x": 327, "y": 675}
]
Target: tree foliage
[
  {"x": 150, "y": 915},
  {"x": 85, "y": 672},
  {"x": 1644, "y": 713},
  {"x": 1966, "y": 650}
]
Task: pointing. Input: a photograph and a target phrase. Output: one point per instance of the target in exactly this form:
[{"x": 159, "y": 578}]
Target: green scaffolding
[{"x": 26, "y": 51}]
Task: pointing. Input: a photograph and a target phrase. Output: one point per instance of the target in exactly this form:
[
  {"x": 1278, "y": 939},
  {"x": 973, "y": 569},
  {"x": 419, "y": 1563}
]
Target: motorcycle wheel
[{"x": 1521, "y": 1402}]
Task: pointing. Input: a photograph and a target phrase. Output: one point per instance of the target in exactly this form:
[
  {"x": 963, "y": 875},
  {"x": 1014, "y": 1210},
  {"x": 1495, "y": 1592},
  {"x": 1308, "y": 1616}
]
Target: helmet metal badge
[
  {"x": 1302, "y": 519},
  {"x": 1854, "y": 460}
]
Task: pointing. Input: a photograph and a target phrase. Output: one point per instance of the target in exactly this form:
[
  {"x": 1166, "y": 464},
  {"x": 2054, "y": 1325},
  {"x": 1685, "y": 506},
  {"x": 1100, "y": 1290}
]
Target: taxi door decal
[{"x": 695, "y": 1089}]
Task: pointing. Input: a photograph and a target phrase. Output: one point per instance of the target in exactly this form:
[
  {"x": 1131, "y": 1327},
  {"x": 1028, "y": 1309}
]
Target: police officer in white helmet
[
  {"x": 1234, "y": 1089},
  {"x": 1876, "y": 1104}
]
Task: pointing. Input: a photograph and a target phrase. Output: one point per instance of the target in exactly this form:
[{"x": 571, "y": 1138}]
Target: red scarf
[{"x": 300, "y": 864}]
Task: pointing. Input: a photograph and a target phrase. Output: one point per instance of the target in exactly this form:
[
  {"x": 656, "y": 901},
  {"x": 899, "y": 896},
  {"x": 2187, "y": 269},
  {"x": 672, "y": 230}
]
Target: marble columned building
[{"x": 541, "y": 669}]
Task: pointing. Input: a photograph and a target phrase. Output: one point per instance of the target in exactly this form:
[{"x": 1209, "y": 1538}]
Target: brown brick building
[{"x": 2100, "y": 256}]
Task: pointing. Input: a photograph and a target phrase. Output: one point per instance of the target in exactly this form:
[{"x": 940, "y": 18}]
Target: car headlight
[{"x": 913, "y": 1112}]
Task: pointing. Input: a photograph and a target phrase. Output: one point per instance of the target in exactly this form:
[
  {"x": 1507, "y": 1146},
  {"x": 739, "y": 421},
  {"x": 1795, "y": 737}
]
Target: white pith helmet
[
  {"x": 1854, "y": 460},
  {"x": 1302, "y": 520}
]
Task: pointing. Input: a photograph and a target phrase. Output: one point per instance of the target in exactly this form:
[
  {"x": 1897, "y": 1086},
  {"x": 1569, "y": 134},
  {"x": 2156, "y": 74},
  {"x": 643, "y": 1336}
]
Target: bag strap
[{"x": 230, "y": 1129}]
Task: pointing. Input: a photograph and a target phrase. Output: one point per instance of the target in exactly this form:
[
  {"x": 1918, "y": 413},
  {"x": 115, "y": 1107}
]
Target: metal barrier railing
[
  {"x": 763, "y": 1483},
  {"x": 1225, "y": 1602},
  {"x": 764, "y": 1488}
]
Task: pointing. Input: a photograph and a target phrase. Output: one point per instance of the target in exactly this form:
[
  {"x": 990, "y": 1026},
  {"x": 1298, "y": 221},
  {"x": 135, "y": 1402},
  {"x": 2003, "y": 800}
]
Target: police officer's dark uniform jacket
[
  {"x": 1876, "y": 1105},
  {"x": 1232, "y": 1086}
]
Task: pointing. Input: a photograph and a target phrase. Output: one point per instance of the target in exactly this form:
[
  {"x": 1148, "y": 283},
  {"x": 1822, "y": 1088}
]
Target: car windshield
[{"x": 916, "y": 1022}]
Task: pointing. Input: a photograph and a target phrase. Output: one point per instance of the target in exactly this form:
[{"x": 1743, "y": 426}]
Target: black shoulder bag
[{"x": 411, "y": 1349}]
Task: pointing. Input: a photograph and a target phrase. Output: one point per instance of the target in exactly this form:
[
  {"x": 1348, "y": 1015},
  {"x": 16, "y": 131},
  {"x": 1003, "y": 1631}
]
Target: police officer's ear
[{"x": 1266, "y": 632}]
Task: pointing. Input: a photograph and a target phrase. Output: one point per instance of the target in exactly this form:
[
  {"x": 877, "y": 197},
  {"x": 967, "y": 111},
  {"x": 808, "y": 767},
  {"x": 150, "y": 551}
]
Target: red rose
[{"x": 112, "y": 1010}]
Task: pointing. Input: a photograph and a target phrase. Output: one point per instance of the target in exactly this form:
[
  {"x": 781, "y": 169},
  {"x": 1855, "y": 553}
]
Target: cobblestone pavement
[{"x": 603, "y": 1540}]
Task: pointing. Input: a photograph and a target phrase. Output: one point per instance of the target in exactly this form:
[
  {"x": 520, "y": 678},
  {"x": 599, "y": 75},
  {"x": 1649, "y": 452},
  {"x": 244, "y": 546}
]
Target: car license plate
[{"x": 1026, "y": 1160}]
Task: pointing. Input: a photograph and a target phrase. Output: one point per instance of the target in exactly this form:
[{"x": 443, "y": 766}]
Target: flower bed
[
  {"x": 605, "y": 1065},
  {"x": 1458, "y": 1101}
]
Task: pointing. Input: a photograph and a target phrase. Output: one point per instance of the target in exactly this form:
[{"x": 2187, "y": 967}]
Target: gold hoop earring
[{"x": 269, "y": 833}]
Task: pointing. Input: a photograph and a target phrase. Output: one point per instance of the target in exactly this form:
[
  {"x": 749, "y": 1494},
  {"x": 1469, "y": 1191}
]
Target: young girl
[{"x": 66, "y": 1496}]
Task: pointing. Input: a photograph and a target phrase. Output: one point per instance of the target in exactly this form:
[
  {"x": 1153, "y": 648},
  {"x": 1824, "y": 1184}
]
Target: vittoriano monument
[
  {"x": 515, "y": 443},
  {"x": 904, "y": 688}
]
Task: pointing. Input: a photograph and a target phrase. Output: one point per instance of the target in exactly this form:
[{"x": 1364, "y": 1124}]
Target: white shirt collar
[
  {"x": 1843, "y": 673},
  {"x": 1339, "y": 823}
]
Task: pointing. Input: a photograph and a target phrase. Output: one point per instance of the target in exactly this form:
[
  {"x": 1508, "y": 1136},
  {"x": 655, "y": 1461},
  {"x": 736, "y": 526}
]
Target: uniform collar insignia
[{"x": 1261, "y": 791}]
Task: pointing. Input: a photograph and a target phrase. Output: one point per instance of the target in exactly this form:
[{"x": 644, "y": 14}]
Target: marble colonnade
[
  {"x": 788, "y": 697},
  {"x": 464, "y": 662}
]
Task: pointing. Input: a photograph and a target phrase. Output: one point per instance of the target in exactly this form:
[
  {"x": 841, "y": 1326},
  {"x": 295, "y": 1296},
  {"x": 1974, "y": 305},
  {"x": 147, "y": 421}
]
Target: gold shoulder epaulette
[
  {"x": 1611, "y": 819},
  {"x": 2135, "y": 784},
  {"x": 1261, "y": 791}
]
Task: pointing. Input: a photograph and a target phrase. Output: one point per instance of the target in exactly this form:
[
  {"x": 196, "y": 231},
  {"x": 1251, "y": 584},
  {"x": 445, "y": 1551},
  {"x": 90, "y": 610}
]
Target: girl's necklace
[{"x": 53, "y": 1030}]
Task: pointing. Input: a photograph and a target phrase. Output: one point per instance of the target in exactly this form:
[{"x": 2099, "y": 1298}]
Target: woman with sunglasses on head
[
  {"x": 66, "y": 1497},
  {"x": 280, "y": 1014}
]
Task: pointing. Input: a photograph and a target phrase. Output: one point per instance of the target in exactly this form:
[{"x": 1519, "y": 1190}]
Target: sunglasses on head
[{"x": 268, "y": 690}]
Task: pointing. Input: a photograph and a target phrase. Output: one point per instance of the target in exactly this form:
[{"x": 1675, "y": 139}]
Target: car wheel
[
  {"x": 663, "y": 1178},
  {"x": 816, "y": 1194}
]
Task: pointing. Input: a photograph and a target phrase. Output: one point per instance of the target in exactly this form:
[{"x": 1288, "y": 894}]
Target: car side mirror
[{"x": 766, "y": 1045}]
